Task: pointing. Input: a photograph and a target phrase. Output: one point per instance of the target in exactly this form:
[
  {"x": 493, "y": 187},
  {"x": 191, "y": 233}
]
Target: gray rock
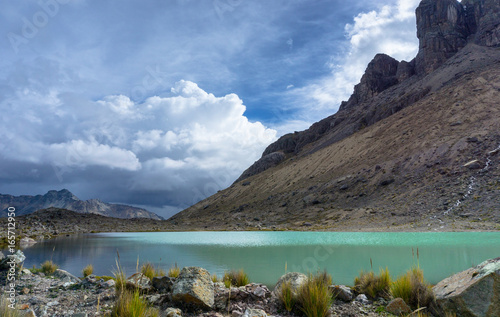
[
  {"x": 26, "y": 242},
  {"x": 79, "y": 315},
  {"x": 2, "y": 256},
  {"x": 108, "y": 284},
  {"x": 397, "y": 307},
  {"x": 473, "y": 292},
  {"x": 163, "y": 284},
  {"x": 66, "y": 276},
  {"x": 295, "y": 279},
  {"x": 194, "y": 286},
  {"x": 361, "y": 298},
  {"x": 17, "y": 258},
  {"x": 254, "y": 313},
  {"x": 173, "y": 312},
  {"x": 342, "y": 292},
  {"x": 139, "y": 281}
]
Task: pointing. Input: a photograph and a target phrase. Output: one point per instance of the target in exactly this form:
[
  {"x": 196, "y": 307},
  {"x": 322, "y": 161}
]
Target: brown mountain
[
  {"x": 416, "y": 146},
  {"x": 26, "y": 204}
]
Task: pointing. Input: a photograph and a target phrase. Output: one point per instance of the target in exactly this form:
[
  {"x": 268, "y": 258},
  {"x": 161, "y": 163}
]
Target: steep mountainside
[
  {"x": 65, "y": 199},
  {"x": 416, "y": 146}
]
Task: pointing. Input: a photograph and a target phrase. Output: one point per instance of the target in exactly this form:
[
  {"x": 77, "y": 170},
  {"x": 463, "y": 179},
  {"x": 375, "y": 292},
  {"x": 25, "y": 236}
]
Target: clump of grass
[
  {"x": 49, "y": 267},
  {"x": 88, "y": 270},
  {"x": 149, "y": 270},
  {"x": 174, "y": 271},
  {"x": 130, "y": 304},
  {"x": 120, "y": 278},
  {"x": 413, "y": 289},
  {"x": 214, "y": 278},
  {"x": 6, "y": 311},
  {"x": 374, "y": 286},
  {"x": 286, "y": 296},
  {"x": 314, "y": 297},
  {"x": 236, "y": 278}
]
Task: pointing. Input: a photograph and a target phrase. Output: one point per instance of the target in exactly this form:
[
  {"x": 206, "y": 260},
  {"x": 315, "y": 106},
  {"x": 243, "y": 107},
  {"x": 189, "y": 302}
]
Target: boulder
[
  {"x": 163, "y": 284},
  {"x": 473, "y": 292},
  {"x": 194, "y": 287},
  {"x": 295, "y": 279},
  {"x": 342, "y": 292},
  {"x": 398, "y": 307},
  {"x": 26, "y": 242},
  {"x": 66, "y": 277},
  {"x": 139, "y": 281},
  {"x": 361, "y": 298},
  {"x": 17, "y": 257}
]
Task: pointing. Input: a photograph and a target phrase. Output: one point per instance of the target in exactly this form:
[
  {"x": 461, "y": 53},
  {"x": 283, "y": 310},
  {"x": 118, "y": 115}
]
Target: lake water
[{"x": 266, "y": 255}]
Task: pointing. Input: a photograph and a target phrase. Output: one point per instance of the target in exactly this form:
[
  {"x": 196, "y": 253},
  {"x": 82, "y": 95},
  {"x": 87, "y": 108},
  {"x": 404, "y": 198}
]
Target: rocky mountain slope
[
  {"x": 26, "y": 204},
  {"x": 415, "y": 146}
]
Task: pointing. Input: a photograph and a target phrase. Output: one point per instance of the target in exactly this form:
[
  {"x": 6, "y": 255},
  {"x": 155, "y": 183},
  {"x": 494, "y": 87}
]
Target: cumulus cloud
[
  {"x": 186, "y": 145},
  {"x": 391, "y": 30}
]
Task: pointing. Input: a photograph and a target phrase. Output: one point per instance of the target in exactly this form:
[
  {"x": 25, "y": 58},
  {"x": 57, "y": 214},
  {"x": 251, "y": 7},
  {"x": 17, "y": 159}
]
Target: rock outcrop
[
  {"x": 264, "y": 163},
  {"x": 473, "y": 292},
  {"x": 27, "y": 204},
  {"x": 194, "y": 287}
]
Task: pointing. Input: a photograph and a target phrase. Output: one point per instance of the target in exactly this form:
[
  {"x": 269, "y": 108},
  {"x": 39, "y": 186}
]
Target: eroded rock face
[
  {"x": 473, "y": 292},
  {"x": 483, "y": 21},
  {"x": 441, "y": 31},
  {"x": 265, "y": 162},
  {"x": 194, "y": 287}
]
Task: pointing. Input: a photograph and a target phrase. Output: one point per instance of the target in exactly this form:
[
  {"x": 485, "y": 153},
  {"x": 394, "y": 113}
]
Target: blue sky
[{"x": 161, "y": 103}]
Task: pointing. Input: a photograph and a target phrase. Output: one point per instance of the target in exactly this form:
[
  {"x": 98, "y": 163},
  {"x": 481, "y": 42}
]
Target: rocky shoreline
[{"x": 473, "y": 292}]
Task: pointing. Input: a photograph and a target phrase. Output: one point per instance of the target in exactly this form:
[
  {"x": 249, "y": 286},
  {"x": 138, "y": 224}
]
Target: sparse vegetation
[
  {"x": 314, "y": 297},
  {"x": 286, "y": 296},
  {"x": 174, "y": 271},
  {"x": 6, "y": 311},
  {"x": 215, "y": 278},
  {"x": 49, "y": 267},
  {"x": 373, "y": 285},
  {"x": 88, "y": 270},
  {"x": 130, "y": 304},
  {"x": 151, "y": 271},
  {"x": 413, "y": 289},
  {"x": 120, "y": 278},
  {"x": 236, "y": 278}
]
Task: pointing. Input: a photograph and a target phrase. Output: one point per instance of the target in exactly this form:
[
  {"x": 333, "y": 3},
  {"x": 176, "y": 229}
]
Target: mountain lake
[{"x": 265, "y": 256}]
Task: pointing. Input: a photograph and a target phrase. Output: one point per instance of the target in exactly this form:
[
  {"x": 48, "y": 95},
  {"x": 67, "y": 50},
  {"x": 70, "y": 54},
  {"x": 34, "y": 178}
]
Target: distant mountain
[
  {"x": 26, "y": 204},
  {"x": 416, "y": 146}
]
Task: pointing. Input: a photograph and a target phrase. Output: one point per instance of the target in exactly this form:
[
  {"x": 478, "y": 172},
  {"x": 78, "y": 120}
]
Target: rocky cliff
[
  {"x": 26, "y": 204},
  {"x": 416, "y": 146}
]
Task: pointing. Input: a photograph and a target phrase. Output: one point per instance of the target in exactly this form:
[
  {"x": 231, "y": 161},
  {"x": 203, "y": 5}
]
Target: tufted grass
[
  {"x": 174, "y": 271},
  {"x": 413, "y": 289},
  {"x": 149, "y": 270},
  {"x": 314, "y": 297},
  {"x": 6, "y": 311},
  {"x": 130, "y": 304},
  {"x": 286, "y": 296},
  {"x": 374, "y": 286},
  {"x": 88, "y": 270},
  {"x": 49, "y": 267},
  {"x": 236, "y": 278}
]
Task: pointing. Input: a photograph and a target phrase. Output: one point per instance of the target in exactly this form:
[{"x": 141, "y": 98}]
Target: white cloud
[{"x": 390, "y": 30}]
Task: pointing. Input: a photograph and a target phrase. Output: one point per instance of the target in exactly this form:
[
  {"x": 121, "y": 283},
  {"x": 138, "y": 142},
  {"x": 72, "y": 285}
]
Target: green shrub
[
  {"x": 374, "y": 286},
  {"x": 130, "y": 304},
  {"x": 236, "y": 278},
  {"x": 88, "y": 270},
  {"x": 214, "y": 278},
  {"x": 314, "y": 297},
  {"x": 413, "y": 289},
  {"x": 150, "y": 271},
  {"x": 49, "y": 267},
  {"x": 174, "y": 271},
  {"x": 286, "y": 296}
]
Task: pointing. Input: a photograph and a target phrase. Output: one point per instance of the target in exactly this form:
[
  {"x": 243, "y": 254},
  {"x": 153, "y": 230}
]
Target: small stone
[
  {"x": 79, "y": 315},
  {"x": 139, "y": 281},
  {"x": 473, "y": 165},
  {"x": 398, "y": 307},
  {"x": 254, "y": 313},
  {"x": 361, "y": 298},
  {"x": 25, "y": 290},
  {"x": 342, "y": 292},
  {"x": 108, "y": 284},
  {"x": 173, "y": 312}
]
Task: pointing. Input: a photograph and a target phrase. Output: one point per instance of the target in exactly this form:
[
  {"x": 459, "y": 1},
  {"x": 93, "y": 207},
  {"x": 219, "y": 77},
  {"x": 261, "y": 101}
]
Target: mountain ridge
[
  {"x": 64, "y": 199},
  {"x": 398, "y": 152}
]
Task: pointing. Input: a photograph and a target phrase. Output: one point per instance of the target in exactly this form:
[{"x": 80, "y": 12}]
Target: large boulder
[
  {"x": 295, "y": 279},
  {"x": 398, "y": 307},
  {"x": 66, "y": 277},
  {"x": 17, "y": 258},
  {"x": 194, "y": 287},
  {"x": 473, "y": 292}
]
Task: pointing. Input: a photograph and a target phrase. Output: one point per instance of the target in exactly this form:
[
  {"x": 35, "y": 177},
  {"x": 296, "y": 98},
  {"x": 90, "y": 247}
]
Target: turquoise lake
[{"x": 266, "y": 255}]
